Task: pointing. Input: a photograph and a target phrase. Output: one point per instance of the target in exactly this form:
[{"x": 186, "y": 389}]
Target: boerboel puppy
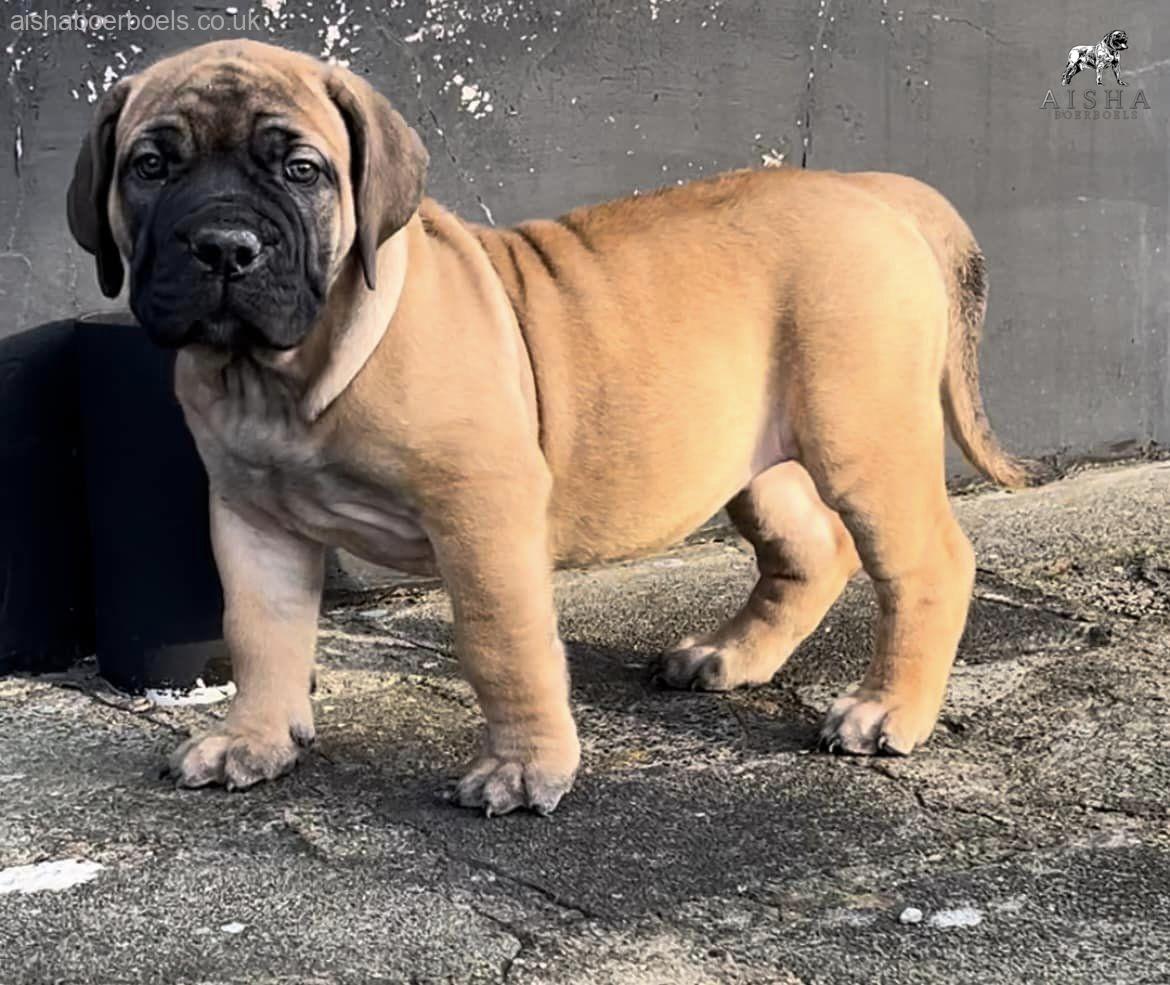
[{"x": 362, "y": 368}]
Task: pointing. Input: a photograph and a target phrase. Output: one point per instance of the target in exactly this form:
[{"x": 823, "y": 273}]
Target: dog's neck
[{"x": 348, "y": 331}]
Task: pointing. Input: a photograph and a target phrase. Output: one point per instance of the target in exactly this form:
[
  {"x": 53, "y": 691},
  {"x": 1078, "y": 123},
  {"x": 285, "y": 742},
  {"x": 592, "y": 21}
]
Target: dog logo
[{"x": 1106, "y": 53}]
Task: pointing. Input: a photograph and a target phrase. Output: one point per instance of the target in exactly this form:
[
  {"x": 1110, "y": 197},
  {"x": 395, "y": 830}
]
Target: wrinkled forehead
[{"x": 217, "y": 104}]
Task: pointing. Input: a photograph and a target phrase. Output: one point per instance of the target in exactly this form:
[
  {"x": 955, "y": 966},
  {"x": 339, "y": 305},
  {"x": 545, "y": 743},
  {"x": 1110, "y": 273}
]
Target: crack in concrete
[
  {"x": 952, "y": 19},
  {"x": 933, "y": 806},
  {"x": 466, "y": 702},
  {"x": 386, "y": 639},
  {"x": 426, "y": 108},
  {"x": 459, "y": 170},
  {"x": 807, "y": 102},
  {"x": 549, "y": 895},
  {"x": 1110, "y": 809},
  {"x": 918, "y": 792},
  {"x": 17, "y": 255},
  {"x": 19, "y": 108},
  {"x": 524, "y": 940}
]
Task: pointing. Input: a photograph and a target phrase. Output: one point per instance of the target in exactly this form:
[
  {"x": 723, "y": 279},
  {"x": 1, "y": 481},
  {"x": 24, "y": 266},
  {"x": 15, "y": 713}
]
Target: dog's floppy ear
[
  {"x": 388, "y": 164},
  {"x": 89, "y": 219}
]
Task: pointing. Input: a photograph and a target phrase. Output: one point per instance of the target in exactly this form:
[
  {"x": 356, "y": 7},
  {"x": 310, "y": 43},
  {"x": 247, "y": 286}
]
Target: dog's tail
[
  {"x": 962, "y": 266},
  {"x": 961, "y": 399}
]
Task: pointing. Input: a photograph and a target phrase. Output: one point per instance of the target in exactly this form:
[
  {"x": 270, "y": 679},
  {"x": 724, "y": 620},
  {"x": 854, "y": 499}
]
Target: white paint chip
[
  {"x": 235, "y": 927},
  {"x": 47, "y": 876},
  {"x": 960, "y": 916},
  {"x": 910, "y": 915},
  {"x": 200, "y": 694}
]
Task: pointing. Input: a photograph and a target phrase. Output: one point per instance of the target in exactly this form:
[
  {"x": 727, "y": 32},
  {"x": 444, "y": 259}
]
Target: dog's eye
[
  {"x": 150, "y": 166},
  {"x": 302, "y": 171}
]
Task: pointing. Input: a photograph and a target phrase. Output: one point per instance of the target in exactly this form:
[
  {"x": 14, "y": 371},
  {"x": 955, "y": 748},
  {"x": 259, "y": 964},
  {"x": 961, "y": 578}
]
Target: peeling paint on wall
[
  {"x": 338, "y": 32},
  {"x": 531, "y": 106},
  {"x": 472, "y": 98}
]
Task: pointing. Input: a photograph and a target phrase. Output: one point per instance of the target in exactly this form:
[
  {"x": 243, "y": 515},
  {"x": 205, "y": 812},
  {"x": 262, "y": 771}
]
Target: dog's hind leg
[
  {"x": 891, "y": 495},
  {"x": 870, "y": 429},
  {"x": 805, "y": 556},
  {"x": 1070, "y": 70}
]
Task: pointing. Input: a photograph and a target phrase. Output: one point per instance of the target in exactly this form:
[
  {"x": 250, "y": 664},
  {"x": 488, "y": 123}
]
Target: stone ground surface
[{"x": 704, "y": 842}]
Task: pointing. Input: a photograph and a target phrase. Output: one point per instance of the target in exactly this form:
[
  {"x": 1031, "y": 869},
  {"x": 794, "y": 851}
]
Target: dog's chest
[
  {"x": 269, "y": 464},
  {"x": 1103, "y": 55}
]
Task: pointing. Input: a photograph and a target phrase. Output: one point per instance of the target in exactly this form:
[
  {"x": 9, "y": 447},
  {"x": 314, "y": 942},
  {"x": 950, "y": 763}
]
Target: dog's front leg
[
  {"x": 1117, "y": 74},
  {"x": 492, "y": 549},
  {"x": 272, "y": 592}
]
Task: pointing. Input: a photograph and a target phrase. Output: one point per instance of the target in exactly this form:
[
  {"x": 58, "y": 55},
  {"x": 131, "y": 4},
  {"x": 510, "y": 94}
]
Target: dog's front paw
[
  {"x": 238, "y": 756},
  {"x": 871, "y": 723},
  {"x": 500, "y": 785}
]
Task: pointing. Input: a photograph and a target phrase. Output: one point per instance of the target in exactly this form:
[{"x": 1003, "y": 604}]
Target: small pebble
[{"x": 910, "y": 915}]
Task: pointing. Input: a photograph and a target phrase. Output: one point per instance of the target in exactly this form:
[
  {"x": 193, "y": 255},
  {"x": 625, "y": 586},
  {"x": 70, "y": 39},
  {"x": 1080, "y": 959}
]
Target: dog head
[
  {"x": 236, "y": 180},
  {"x": 1116, "y": 41}
]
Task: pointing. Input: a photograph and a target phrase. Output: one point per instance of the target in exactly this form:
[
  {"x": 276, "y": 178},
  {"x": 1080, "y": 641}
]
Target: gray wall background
[{"x": 593, "y": 100}]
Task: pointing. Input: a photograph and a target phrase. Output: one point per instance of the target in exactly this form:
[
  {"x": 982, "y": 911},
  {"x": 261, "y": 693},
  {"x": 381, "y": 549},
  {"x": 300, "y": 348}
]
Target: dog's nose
[{"x": 227, "y": 251}]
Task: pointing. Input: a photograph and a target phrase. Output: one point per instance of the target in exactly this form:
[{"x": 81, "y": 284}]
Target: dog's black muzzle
[{"x": 221, "y": 262}]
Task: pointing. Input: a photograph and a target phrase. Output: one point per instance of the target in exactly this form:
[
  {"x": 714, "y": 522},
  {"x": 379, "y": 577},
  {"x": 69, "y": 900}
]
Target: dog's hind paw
[
  {"x": 695, "y": 668},
  {"x": 500, "y": 786}
]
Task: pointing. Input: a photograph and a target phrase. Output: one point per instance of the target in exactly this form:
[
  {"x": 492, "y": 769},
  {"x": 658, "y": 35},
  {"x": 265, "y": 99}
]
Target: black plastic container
[
  {"x": 46, "y": 605},
  {"x": 157, "y": 600}
]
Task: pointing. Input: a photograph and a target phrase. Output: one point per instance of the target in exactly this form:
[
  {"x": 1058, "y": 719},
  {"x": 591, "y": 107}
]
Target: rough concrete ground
[{"x": 704, "y": 842}]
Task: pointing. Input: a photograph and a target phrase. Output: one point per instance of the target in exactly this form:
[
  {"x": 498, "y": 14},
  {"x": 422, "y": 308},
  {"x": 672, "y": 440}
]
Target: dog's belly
[{"x": 668, "y": 489}]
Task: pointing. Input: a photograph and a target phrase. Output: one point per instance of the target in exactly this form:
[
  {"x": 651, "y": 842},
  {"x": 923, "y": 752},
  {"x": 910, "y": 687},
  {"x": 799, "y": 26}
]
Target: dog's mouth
[
  {"x": 223, "y": 331},
  {"x": 182, "y": 306},
  {"x": 223, "y": 326}
]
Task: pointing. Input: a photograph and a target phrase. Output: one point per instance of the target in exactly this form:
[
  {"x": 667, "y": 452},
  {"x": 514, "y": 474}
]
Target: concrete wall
[{"x": 532, "y": 106}]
